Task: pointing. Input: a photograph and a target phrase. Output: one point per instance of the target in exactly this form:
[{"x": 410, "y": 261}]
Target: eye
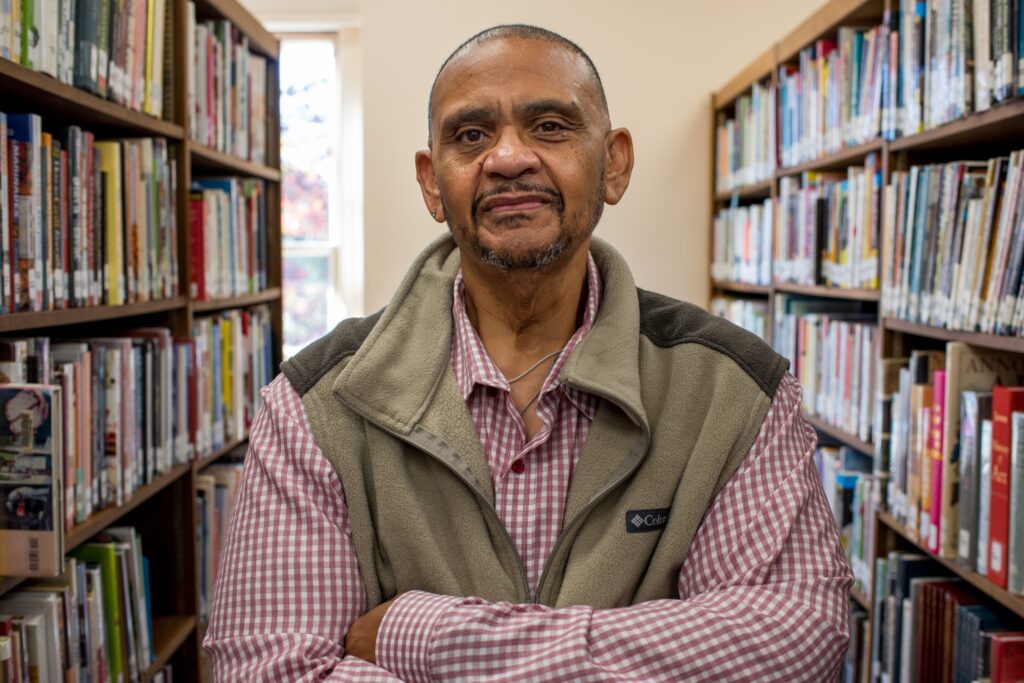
[
  {"x": 470, "y": 135},
  {"x": 550, "y": 126}
]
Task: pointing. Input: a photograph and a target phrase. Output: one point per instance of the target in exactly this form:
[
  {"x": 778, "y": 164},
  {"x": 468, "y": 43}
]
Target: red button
[{"x": 518, "y": 467}]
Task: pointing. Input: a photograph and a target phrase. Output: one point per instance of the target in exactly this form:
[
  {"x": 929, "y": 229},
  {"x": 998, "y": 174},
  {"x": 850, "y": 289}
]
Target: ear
[
  {"x": 618, "y": 164},
  {"x": 428, "y": 185}
]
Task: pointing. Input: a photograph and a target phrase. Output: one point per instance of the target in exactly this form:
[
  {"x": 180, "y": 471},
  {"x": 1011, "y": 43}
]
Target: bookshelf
[
  {"x": 975, "y": 136},
  {"x": 164, "y": 510}
]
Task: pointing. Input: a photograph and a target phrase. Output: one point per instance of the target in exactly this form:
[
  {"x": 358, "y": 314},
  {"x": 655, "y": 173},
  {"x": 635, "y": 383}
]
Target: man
[{"x": 524, "y": 468}]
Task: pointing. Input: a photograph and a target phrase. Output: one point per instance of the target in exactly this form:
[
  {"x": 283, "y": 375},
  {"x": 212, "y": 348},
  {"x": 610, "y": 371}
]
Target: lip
[{"x": 514, "y": 203}]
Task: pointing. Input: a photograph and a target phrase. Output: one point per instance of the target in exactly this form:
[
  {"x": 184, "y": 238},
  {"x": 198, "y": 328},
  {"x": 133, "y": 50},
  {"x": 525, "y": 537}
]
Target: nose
[{"x": 510, "y": 157}]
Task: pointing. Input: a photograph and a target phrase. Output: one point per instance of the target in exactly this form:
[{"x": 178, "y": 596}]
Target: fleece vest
[{"x": 682, "y": 397}]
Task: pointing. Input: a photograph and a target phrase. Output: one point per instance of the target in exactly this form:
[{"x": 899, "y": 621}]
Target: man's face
[{"x": 517, "y": 161}]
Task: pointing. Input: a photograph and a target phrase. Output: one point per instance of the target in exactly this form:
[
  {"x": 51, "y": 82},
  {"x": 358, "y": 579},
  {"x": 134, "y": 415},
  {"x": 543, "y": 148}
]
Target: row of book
[
  {"x": 750, "y": 314},
  {"x": 852, "y": 493},
  {"x": 743, "y": 244},
  {"x": 839, "y": 94},
  {"x": 950, "y": 455},
  {"x": 832, "y": 347},
  {"x": 93, "y": 622},
  {"x": 116, "y": 49},
  {"x": 745, "y": 142},
  {"x": 930, "y": 626},
  {"x": 927, "y": 63},
  {"x": 955, "y": 247},
  {"x": 227, "y": 89},
  {"x": 216, "y": 487},
  {"x": 228, "y": 227},
  {"x": 83, "y": 221},
  {"x": 827, "y": 228},
  {"x": 86, "y": 423},
  {"x": 957, "y": 58}
]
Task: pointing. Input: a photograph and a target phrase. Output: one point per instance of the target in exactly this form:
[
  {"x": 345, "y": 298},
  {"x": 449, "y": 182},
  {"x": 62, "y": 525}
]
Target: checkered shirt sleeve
[
  {"x": 763, "y": 590},
  {"x": 763, "y": 596}
]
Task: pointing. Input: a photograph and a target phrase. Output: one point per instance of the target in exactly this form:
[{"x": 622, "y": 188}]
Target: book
[
  {"x": 975, "y": 407},
  {"x": 1005, "y": 401},
  {"x": 1015, "y": 554},
  {"x": 112, "y": 615},
  {"x": 984, "y": 497},
  {"x": 31, "y": 464},
  {"x": 1007, "y": 657}
]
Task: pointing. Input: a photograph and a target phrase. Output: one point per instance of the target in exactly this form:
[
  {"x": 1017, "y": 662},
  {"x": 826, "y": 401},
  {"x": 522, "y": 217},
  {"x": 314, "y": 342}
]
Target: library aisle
[
  {"x": 867, "y": 221},
  {"x": 140, "y": 312}
]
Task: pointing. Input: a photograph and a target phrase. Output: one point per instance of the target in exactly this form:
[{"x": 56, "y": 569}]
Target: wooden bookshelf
[
  {"x": 990, "y": 341},
  {"x": 870, "y": 295},
  {"x": 200, "y": 463},
  {"x": 21, "y": 322},
  {"x": 164, "y": 510},
  {"x": 740, "y": 287},
  {"x": 761, "y": 190},
  {"x": 206, "y": 159},
  {"x": 1010, "y": 601},
  {"x": 213, "y": 305},
  {"x": 983, "y": 135},
  {"x": 840, "y": 435}
]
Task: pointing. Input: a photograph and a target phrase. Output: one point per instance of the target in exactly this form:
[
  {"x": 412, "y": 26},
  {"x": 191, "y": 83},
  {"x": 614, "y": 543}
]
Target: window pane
[
  {"x": 309, "y": 102},
  {"x": 307, "y": 294}
]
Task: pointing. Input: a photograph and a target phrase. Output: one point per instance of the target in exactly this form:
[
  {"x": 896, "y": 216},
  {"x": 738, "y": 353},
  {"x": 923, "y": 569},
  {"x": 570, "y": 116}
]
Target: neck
[{"x": 522, "y": 315}]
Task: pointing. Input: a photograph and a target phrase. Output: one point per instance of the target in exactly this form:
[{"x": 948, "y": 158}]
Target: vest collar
[{"x": 394, "y": 377}]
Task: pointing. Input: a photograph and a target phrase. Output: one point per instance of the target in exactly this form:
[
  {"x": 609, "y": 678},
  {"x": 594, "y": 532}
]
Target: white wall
[{"x": 659, "y": 61}]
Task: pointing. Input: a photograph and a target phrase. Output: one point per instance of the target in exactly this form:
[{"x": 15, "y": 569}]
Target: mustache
[{"x": 519, "y": 186}]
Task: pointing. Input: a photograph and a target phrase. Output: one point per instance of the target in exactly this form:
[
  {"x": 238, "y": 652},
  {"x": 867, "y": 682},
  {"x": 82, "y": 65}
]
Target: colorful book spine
[{"x": 1005, "y": 401}]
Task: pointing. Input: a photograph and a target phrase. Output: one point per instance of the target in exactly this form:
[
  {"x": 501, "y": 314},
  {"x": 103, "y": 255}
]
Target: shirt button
[{"x": 518, "y": 467}]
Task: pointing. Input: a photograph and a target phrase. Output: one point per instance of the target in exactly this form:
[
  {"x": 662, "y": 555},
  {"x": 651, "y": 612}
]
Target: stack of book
[
  {"x": 850, "y": 489},
  {"x": 750, "y": 314},
  {"x": 955, "y": 250},
  {"x": 116, "y": 50},
  {"x": 216, "y": 487},
  {"x": 91, "y": 622},
  {"x": 929, "y": 626},
  {"x": 827, "y": 230},
  {"x": 832, "y": 346},
  {"x": 952, "y": 457},
  {"x": 227, "y": 86},
  {"x": 228, "y": 223},
  {"x": 743, "y": 244},
  {"x": 233, "y": 362},
  {"x": 83, "y": 222},
  {"x": 836, "y": 95},
  {"x": 746, "y": 141}
]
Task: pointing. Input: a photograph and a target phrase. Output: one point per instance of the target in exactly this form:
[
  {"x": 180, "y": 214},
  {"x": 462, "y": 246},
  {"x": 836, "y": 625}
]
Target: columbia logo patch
[{"x": 640, "y": 521}]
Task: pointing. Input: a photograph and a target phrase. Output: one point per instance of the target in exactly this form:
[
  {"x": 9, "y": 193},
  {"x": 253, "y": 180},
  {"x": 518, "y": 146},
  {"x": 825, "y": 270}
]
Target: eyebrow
[{"x": 569, "y": 110}]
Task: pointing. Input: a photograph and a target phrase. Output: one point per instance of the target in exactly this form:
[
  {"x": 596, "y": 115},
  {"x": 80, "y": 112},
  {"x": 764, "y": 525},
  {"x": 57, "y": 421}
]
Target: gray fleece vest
[{"x": 682, "y": 397}]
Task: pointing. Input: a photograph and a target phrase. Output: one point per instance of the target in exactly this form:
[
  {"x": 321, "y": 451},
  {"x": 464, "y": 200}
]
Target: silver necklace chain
[{"x": 526, "y": 372}]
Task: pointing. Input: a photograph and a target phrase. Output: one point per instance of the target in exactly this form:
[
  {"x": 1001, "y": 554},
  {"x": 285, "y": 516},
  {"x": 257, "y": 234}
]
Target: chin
[{"x": 535, "y": 258}]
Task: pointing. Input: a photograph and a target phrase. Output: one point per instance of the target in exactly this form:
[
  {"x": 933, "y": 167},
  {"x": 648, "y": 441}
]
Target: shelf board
[
  {"x": 761, "y": 190},
  {"x": 9, "y": 583},
  {"x": 260, "y": 39},
  {"x": 860, "y": 598},
  {"x": 80, "y": 533},
  {"x": 54, "y": 99},
  {"x": 740, "y": 287},
  {"x": 839, "y": 160},
  {"x": 208, "y": 158},
  {"x": 829, "y": 292},
  {"x": 1009, "y": 600},
  {"x": 168, "y": 635},
  {"x": 839, "y": 435},
  {"x": 199, "y": 463},
  {"x": 213, "y": 305},
  {"x": 1002, "y": 122},
  {"x": 15, "y": 322},
  {"x": 826, "y": 20},
  {"x": 990, "y": 341}
]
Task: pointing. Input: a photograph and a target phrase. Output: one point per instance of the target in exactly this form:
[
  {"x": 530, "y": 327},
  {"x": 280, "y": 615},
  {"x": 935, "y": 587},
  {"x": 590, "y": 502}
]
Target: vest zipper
[
  {"x": 590, "y": 505},
  {"x": 488, "y": 506}
]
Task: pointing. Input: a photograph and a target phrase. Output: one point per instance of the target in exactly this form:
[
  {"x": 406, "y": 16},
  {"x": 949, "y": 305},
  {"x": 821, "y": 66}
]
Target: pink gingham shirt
[{"x": 762, "y": 591}]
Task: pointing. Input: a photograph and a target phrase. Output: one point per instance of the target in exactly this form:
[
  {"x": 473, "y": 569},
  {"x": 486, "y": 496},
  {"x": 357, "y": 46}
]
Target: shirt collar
[{"x": 472, "y": 365}]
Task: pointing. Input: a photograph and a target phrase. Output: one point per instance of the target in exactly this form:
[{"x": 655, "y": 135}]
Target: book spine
[
  {"x": 1004, "y": 402},
  {"x": 1015, "y": 574},
  {"x": 938, "y": 417}
]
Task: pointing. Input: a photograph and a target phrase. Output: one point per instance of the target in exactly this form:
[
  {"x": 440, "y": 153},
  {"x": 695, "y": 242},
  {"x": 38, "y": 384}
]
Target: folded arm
[{"x": 763, "y": 596}]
